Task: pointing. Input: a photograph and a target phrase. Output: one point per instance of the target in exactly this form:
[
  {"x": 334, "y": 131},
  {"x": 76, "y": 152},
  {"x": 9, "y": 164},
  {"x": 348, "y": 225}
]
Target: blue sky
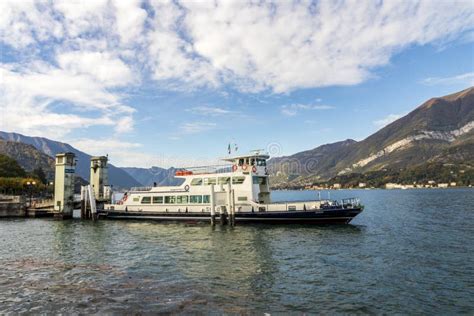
[{"x": 171, "y": 84}]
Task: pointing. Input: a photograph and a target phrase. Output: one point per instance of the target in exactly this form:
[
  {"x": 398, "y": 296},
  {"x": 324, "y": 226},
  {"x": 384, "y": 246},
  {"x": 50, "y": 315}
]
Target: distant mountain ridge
[
  {"x": 28, "y": 157},
  {"x": 440, "y": 130},
  {"x": 150, "y": 176},
  {"x": 117, "y": 176}
]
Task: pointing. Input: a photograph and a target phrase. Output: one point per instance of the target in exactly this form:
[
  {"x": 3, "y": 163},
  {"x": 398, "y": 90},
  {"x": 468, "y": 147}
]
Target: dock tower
[
  {"x": 99, "y": 178},
  {"x": 64, "y": 185}
]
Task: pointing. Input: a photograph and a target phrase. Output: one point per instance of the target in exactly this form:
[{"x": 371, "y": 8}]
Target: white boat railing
[
  {"x": 141, "y": 189},
  {"x": 212, "y": 169}
]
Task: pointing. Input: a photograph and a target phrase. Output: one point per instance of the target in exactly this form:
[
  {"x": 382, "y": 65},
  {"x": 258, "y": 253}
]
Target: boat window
[
  {"x": 224, "y": 180},
  {"x": 261, "y": 162},
  {"x": 182, "y": 199},
  {"x": 238, "y": 180},
  {"x": 157, "y": 200},
  {"x": 206, "y": 199},
  {"x": 136, "y": 199},
  {"x": 252, "y": 161},
  {"x": 259, "y": 180},
  {"x": 242, "y": 198},
  {"x": 241, "y": 162},
  {"x": 209, "y": 181},
  {"x": 196, "y": 181},
  {"x": 170, "y": 199},
  {"x": 146, "y": 200},
  {"x": 195, "y": 199}
]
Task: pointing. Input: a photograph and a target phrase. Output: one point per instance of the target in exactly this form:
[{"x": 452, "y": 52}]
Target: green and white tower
[
  {"x": 99, "y": 178},
  {"x": 64, "y": 185}
]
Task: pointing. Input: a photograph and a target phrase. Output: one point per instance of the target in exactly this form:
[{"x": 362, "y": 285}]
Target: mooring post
[
  {"x": 83, "y": 202},
  {"x": 92, "y": 202},
  {"x": 229, "y": 203},
  {"x": 232, "y": 209},
  {"x": 213, "y": 206}
]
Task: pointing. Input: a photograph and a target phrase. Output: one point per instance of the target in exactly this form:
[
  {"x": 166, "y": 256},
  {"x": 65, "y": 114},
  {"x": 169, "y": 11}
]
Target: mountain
[
  {"x": 149, "y": 176},
  {"x": 117, "y": 176},
  {"x": 320, "y": 160},
  {"x": 441, "y": 130},
  {"x": 28, "y": 157}
]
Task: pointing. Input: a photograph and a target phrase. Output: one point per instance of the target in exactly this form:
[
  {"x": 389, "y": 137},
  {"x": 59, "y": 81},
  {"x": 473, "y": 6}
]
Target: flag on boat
[
  {"x": 236, "y": 147},
  {"x": 228, "y": 148}
]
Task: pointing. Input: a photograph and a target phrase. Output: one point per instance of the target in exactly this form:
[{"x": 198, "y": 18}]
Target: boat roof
[{"x": 255, "y": 154}]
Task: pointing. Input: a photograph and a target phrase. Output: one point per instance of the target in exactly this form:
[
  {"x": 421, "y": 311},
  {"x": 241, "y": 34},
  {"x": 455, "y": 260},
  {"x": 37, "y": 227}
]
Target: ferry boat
[{"x": 238, "y": 191}]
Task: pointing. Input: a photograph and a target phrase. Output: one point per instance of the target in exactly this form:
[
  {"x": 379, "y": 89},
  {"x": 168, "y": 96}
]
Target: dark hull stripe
[{"x": 319, "y": 217}]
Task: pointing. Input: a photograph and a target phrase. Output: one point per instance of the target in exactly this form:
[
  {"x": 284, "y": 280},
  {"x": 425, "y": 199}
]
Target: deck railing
[{"x": 213, "y": 169}]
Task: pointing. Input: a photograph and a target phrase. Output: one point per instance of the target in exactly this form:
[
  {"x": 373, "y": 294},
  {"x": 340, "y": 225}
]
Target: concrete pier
[{"x": 12, "y": 206}]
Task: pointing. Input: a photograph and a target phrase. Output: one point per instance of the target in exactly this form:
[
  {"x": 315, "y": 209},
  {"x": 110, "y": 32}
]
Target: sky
[{"x": 172, "y": 83}]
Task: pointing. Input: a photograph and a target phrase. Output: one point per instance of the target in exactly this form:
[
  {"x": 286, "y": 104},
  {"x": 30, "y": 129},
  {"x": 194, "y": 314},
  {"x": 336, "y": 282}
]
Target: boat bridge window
[
  {"x": 224, "y": 180},
  {"x": 195, "y": 199},
  {"x": 157, "y": 200},
  {"x": 238, "y": 180},
  {"x": 261, "y": 162},
  {"x": 206, "y": 199},
  {"x": 146, "y": 200},
  {"x": 196, "y": 181},
  {"x": 182, "y": 199},
  {"x": 242, "y": 198},
  {"x": 170, "y": 199},
  {"x": 260, "y": 180},
  {"x": 209, "y": 181}
]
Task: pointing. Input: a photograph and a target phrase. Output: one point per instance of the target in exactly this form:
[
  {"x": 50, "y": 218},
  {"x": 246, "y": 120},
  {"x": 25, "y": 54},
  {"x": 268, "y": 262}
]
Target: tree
[
  {"x": 9, "y": 168},
  {"x": 39, "y": 173}
]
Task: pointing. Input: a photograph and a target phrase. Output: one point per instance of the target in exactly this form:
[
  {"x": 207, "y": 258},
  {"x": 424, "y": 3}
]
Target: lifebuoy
[
  {"x": 234, "y": 168},
  {"x": 254, "y": 169},
  {"x": 244, "y": 167},
  {"x": 186, "y": 187}
]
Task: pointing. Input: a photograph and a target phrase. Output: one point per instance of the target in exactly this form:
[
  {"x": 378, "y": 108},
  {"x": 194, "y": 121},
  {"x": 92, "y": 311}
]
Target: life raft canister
[
  {"x": 254, "y": 169},
  {"x": 234, "y": 168}
]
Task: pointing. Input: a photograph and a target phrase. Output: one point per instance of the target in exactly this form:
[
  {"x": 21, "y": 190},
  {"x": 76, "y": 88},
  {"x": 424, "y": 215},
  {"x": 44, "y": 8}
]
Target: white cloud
[
  {"x": 83, "y": 55},
  {"x": 387, "y": 120},
  {"x": 103, "y": 67},
  {"x": 466, "y": 78},
  {"x": 130, "y": 20},
  {"x": 279, "y": 46},
  {"x": 293, "y": 109},
  {"x": 209, "y": 111},
  {"x": 31, "y": 96},
  {"x": 127, "y": 154},
  {"x": 285, "y": 45},
  {"x": 197, "y": 127}
]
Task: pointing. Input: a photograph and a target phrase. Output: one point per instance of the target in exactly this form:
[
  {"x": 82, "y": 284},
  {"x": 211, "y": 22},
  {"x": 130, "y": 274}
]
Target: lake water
[{"x": 410, "y": 251}]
